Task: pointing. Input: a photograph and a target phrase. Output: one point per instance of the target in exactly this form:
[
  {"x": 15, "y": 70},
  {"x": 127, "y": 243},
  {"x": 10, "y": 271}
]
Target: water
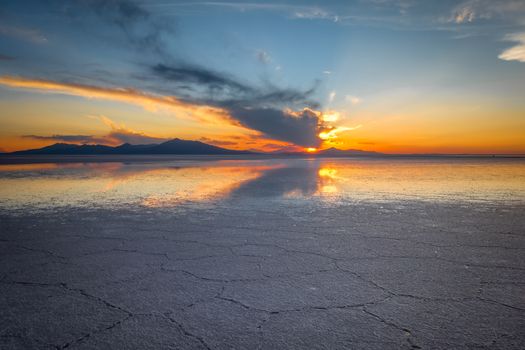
[
  {"x": 157, "y": 184},
  {"x": 270, "y": 254}
]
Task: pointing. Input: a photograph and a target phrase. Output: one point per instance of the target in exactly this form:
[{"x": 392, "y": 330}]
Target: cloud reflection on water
[{"x": 169, "y": 184}]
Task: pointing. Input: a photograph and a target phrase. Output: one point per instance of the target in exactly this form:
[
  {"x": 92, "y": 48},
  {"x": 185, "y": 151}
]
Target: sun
[{"x": 311, "y": 150}]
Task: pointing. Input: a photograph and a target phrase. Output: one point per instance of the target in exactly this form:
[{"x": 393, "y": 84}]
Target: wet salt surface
[
  {"x": 169, "y": 184},
  {"x": 307, "y": 254}
]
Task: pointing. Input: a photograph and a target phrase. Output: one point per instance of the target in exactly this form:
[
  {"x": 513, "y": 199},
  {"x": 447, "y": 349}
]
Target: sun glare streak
[{"x": 332, "y": 134}]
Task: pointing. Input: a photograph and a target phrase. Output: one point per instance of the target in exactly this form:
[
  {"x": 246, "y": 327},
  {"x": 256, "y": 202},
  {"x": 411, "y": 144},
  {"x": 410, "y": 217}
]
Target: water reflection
[{"x": 169, "y": 184}]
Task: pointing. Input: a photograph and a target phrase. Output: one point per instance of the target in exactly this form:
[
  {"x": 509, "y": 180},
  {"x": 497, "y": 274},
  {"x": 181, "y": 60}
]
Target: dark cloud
[
  {"x": 138, "y": 25},
  {"x": 186, "y": 74},
  {"x": 272, "y": 96},
  {"x": 6, "y": 57},
  {"x": 257, "y": 108},
  {"x": 223, "y": 90},
  {"x": 301, "y": 129}
]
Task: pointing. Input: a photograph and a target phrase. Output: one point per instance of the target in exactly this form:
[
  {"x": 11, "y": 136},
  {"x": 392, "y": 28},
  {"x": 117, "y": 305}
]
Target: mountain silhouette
[{"x": 176, "y": 146}]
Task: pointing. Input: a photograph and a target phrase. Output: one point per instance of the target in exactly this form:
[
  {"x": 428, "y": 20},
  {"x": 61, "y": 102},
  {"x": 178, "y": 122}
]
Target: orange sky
[{"x": 54, "y": 108}]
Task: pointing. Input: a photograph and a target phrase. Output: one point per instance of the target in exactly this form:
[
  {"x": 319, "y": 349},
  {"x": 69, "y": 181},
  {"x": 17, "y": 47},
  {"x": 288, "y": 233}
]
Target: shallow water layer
[
  {"x": 170, "y": 183},
  {"x": 263, "y": 254}
]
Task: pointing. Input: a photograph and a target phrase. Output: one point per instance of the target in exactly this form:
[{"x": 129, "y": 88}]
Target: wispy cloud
[
  {"x": 147, "y": 101},
  {"x": 263, "y": 56},
  {"x": 220, "y": 143},
  {"x": 212, "y": 82},
  {"x": 6, "y": 58},
  {"x": 472, "y": 10},
  {"x": 26, "y": 34},
  {"x": 517, "y": 52},
  {"x": 134, "y": 20},
  {"x": 331, "y": 96},
  {"x": 117, "y": 135},
  {"x": 291, "y": 10},
  {"x": 314, "y": 13},
  {"x": 82, "y": 139},
  {"x": 354, "y": 100}
]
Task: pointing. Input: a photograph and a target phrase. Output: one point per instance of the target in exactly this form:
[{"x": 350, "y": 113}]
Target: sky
[{"x": 393, "y": 76}]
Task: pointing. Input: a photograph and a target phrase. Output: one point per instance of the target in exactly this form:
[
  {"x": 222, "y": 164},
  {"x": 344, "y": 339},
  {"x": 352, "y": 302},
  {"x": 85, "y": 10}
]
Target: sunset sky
[{"x": 395, "y": 76}]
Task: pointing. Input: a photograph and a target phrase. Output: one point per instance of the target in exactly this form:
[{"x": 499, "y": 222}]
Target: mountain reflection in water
[{"x": 165, "y": 184}]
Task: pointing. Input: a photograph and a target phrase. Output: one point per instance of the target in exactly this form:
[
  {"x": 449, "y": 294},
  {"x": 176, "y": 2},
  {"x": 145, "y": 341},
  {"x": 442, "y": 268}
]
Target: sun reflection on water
[{"x": 169, "y": 184}]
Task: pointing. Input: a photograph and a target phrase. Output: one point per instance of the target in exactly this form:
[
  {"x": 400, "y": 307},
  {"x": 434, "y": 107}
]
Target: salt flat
[{"x": 299, "y": 254}]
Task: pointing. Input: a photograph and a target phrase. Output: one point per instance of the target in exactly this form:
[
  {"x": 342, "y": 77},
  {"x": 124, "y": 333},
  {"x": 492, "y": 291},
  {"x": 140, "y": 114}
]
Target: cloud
[
  {"x": 331, "y": 96},
  {"x": 293, "y": 11},
  {"x": 331, "y": 134},
  {"x": 263, "y": 56},
  {"x": 118, "y": 135},
  {"x": 262, "y": 111},
  {"x": 121, "y": 134},
  {"x": 220, "y": 143},
  {"x": 147, "y": 101},
  {"x": 138, "y": 25},
  {"x": 189, "y": 90},
  {"x": 464, "y": 14},
  {"x": 6, "y": 58},
  {"x": 270, "y": 96},
  {"x": 83, "y": 139},
  {"x": 300, "y": 128},
  {"x": 517, "y": 52},
  {"x": 354, "y": 100},
  {"x": 206, "y": 86},
  {"x": 472, "y": 10},
  {"x": 257, "y": 108},
  {"x": 188, "y": 74},
  {"x": 26, "y": 34},
  {"x": 314, "y": 13}
]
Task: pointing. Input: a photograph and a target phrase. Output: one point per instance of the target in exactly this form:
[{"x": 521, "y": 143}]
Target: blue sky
[{"x": 367, "y": 60}]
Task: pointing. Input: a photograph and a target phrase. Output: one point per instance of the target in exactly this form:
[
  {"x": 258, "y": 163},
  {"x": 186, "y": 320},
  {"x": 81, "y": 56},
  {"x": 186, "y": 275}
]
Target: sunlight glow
[
  {"x": 332, "y": 133},
  {"x": 330, "y": 116},
  {"x": 327, "y": 172}
]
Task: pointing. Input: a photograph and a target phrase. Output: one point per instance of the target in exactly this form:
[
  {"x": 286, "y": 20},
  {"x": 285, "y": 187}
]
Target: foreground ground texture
[
  {"x": 263, "y": 268},
  {"x": 367, "y": 276}
]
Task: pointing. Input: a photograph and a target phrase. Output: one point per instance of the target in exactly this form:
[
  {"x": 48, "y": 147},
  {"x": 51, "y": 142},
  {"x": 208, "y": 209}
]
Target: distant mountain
[
  {"x": 176, "y": 146},
  {"x": 66, "y": 148}
]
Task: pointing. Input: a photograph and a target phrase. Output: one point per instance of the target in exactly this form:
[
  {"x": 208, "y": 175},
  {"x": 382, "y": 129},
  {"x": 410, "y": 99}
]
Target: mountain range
[{"x": 175, "y": 146}]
